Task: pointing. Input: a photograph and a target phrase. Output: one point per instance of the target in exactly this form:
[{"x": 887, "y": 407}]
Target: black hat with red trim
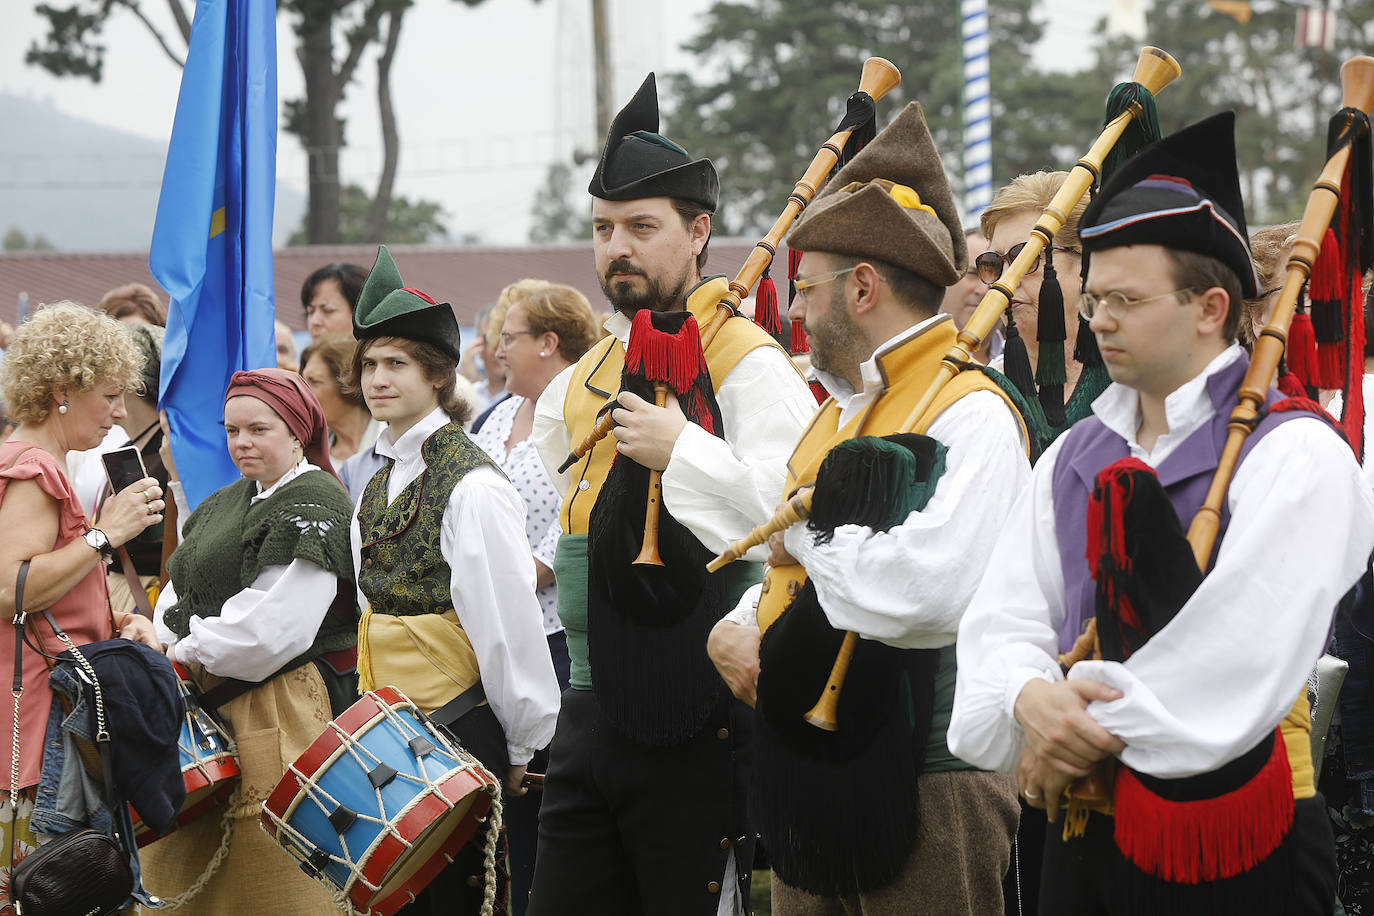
[{"x": 1181, "y": 192}]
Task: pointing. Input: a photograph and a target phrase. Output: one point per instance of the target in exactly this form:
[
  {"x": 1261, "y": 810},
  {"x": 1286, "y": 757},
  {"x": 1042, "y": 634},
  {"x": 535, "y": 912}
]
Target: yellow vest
[
  {"x": 907, "y": 371},
  {"x": 600, "y": 368}
]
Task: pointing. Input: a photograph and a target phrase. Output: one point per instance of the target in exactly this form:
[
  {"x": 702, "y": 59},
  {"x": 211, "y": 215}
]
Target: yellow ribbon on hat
[{"x": 908, "y": 198}]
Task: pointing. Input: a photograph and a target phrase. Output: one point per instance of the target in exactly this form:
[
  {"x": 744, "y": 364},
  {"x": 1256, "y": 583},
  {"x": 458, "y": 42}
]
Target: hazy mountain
[{"x": 83, "y": 185}]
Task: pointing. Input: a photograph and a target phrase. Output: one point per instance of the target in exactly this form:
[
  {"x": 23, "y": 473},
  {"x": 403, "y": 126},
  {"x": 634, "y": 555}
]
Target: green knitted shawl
[{"x": 228, "y": 541}]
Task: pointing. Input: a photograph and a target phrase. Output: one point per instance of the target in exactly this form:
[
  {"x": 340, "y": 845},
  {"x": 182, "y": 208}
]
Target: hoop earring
[{"x": 62, "y": 408}]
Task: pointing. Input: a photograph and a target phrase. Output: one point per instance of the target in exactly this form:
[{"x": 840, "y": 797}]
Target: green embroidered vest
[
  {"x": 406, "y": 575},
  {"x": 229, "y": 540}
]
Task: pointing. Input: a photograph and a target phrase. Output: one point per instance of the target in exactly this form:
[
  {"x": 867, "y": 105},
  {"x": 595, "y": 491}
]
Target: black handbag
[{"x": 85, "y": 872}]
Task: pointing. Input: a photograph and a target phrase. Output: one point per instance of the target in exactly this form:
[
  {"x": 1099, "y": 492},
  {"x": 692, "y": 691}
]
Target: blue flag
[{"x": 212, "y": 242}]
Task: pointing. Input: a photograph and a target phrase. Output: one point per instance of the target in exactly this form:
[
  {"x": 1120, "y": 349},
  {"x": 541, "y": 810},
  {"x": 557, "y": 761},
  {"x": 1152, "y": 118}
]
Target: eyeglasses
[
  {"x": 990, "y": 263},
  {"x": 1116, "y": 304},
  {"x": 803, "y": 285},
  {"x": 508, "y": 336}
]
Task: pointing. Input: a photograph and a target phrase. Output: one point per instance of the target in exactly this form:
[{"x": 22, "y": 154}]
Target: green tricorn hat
[
  {"x": 637, "y": 161},
  {"x": 388, "y": 308},
  {"x": 891, "y": 202}
]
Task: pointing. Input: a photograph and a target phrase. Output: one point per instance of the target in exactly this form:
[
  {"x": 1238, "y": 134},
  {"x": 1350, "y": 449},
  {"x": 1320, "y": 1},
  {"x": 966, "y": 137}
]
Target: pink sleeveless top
[{"x": 83, "y": 612}]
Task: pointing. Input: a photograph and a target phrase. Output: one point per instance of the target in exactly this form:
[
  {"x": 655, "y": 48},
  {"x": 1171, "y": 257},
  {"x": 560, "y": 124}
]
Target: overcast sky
[{"x": 485, "y": 98}]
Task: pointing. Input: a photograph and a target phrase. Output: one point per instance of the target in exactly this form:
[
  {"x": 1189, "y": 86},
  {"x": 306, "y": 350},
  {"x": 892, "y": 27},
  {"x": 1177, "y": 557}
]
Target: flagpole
[{"x": 977, "y": 110}]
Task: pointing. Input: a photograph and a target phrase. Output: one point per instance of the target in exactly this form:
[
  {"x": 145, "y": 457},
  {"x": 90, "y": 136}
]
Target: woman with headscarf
[{"x": 259, "y": 607}]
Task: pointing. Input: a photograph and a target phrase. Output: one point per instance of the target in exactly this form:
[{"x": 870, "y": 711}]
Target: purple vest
[{"x": 1186, "y": 475}]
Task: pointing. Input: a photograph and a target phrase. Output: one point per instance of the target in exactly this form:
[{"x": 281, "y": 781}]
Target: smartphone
[{"x": 123, "y": 466}]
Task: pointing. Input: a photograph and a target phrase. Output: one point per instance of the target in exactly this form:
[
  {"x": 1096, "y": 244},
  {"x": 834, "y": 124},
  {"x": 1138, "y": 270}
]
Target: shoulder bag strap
[
  {"x": 18, "y": 688},
  {"x": 102, "y": 733}
]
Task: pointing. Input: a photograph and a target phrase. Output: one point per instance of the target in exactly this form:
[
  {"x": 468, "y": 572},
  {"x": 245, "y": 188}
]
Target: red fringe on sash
[{"x": 1210, "y": 839}]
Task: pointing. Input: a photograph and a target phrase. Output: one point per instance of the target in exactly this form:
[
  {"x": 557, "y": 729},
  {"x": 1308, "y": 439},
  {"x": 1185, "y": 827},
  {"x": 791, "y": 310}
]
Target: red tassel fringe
[
  {"x": 1352, "y": 412},
  {"x": 799, "y": 344},
  {"x": 1324, "y": 291},
  {"x": 1211, "y": 839},
  {"x": 1108, "y": 561},
  {"x": 1302, "y": 349},
  {"x": 1291, "y": 385},
  {"x": 675, "y": 359},
  {"x": 766, "y": 306}
]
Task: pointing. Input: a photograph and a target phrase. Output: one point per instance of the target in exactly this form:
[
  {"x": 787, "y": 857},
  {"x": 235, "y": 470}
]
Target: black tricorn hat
[
  {"x": 637, "y": 161},
  {"x": 388, "y": 308},
  {"x": 1181, "y": 192}
]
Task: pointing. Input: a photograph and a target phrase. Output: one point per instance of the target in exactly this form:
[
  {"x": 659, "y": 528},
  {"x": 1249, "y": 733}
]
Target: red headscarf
[{"x": 287, "y": 394}]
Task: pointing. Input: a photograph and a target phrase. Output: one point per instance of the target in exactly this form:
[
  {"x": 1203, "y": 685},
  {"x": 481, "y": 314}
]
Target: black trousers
[
  {"x": 1087, "y": 876},
  {"x": 457, "y": 890},
  {"x": 522, "y": 814},
  {"x": 630, "y": 829}
]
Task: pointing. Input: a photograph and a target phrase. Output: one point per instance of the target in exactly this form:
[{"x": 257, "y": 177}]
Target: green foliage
[
  {"x": 408, "y": 222},
  {"x": 560, "y": 212},
  {"x": 69, "y": 48},
  {"x": 16, "y": 240},
  {"x": 782, "y": 69},
  {"x": 1282, "y": 95}
]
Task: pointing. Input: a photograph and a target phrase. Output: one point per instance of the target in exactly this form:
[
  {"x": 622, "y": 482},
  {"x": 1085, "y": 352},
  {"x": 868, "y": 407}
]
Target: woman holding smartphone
[{"x": 63, "y": 379}]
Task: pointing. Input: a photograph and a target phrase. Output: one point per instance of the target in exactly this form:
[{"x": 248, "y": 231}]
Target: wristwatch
[{"x": 97, "y": 539}]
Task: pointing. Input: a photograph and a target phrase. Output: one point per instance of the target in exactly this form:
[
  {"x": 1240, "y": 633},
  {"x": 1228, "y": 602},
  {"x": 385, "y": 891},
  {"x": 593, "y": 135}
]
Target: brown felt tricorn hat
[{"x": 891, "y": 202}]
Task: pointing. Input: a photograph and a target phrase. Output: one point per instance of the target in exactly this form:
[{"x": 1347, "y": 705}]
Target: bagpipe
[
  {"x": 1154, "y": 70},
  {"x": 649, "y": 594},
  {"x": 1146, "y": 570}
]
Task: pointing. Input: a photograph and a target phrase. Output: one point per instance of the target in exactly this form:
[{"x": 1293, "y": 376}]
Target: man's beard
[
  {"x": 627, "y": 300},
  {"x": 837, "y": 340}
]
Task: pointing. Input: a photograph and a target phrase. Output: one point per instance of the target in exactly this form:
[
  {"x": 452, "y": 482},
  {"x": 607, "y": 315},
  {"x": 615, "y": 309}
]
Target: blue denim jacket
[{"x": 68, "y": 799}]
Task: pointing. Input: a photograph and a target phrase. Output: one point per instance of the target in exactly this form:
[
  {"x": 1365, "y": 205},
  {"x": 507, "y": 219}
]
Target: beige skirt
[{"x": 272, "y": 725}]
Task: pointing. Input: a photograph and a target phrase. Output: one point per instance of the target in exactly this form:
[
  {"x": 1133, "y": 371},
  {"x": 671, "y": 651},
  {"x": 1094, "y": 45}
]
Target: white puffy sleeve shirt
[
  {"x": 262, "y": 627},
  {"x": 482, "y": 538},
  {"x": 719, "y": 488},
  {"x": 1226, "y": 670},
  {"x": 908, "y": 586}
]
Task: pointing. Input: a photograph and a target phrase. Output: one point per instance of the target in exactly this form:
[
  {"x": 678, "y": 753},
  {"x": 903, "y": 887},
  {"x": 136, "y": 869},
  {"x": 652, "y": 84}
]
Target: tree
[
  {"x": 407, "y": 222},
  {"x": 71, "y": 48},
  {"x": 556, "y": 217},
  {"x": 783, "y": 69},
  {"x": 16, "y": 240},
  {"x": 1282, "y": 95}
]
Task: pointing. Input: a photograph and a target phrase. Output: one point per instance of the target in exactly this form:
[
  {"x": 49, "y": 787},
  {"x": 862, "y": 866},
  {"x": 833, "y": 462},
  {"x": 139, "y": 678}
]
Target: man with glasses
[
  {"x": 643, "y": 808},
  {"x": 1189, "y": 700},
  {"x": 878, "y": 816}
]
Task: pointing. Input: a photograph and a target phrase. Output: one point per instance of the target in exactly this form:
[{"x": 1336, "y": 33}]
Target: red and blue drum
[
  {"x": 379, "y": 804},
  {"x": 209, "y": 762}
]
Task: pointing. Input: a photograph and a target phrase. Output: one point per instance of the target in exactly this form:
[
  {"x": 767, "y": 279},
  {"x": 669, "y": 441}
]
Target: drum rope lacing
[
  {"x": 226, "y": 828},
  {"x": 463, "y": 762}
]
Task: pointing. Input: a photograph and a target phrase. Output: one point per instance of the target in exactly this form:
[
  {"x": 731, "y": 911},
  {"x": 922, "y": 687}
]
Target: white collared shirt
[
  {"x": 264, "y": 626},
  {"x": 719, "y": 488},
  {"x": 908, "y": 586},
  {"x": 1227, "y": 669},
  {"x": 482, "y": 538}
]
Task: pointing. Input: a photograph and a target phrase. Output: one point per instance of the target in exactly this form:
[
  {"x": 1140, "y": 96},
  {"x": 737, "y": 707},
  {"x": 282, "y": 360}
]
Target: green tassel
[
  {"x": 1142, "y": 131},
  {"x": 875, "y": 482}
]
